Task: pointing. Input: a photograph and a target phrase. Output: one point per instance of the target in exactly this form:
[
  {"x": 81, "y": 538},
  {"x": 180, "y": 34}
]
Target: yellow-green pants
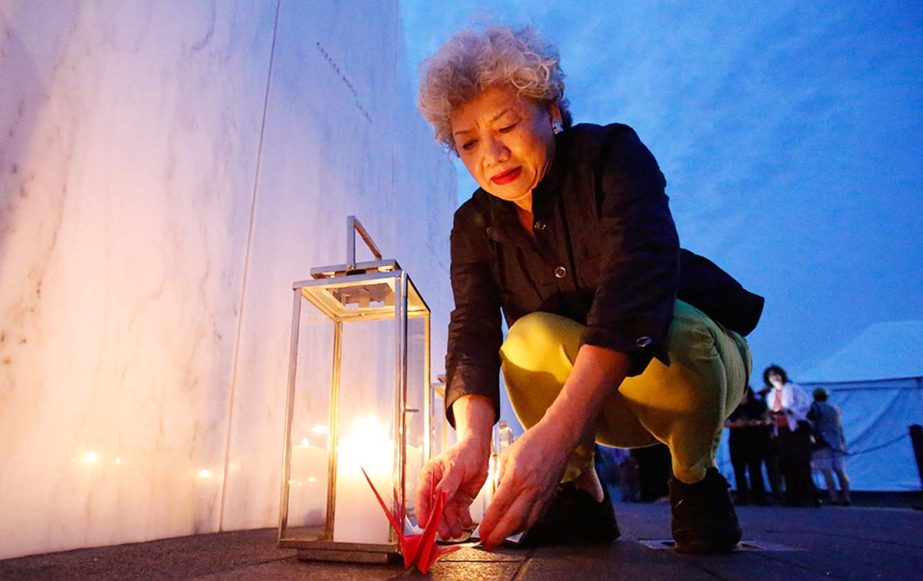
[{"x": 683, "y": 404}]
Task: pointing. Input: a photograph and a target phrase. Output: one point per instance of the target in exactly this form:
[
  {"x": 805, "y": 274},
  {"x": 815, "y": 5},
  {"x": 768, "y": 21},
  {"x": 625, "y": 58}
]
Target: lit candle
[{"x": 358, "y": 517}]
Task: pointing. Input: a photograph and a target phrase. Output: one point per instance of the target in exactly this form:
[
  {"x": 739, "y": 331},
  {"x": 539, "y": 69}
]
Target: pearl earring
[{"x": 557, "y": 127}]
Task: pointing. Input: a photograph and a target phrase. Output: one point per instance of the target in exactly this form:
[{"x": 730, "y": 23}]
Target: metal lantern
[{"x": 358, "y": 388}]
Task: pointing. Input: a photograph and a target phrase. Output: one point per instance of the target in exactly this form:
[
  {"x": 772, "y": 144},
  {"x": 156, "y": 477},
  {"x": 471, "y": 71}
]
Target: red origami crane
[{"x": 421, "y": 549}]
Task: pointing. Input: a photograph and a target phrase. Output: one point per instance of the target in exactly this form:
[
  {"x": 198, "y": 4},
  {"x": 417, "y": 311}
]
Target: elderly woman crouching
[{"x": 616, "y": 335}]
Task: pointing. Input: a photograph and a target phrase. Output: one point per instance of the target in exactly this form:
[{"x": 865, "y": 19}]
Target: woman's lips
[{"x": 507, "y": 176}]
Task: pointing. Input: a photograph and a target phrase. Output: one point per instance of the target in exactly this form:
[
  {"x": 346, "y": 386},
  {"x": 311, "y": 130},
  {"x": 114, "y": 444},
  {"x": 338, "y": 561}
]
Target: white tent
[
  {"x": 876, "y": 420},
  {"x": 877, "y": 381}
]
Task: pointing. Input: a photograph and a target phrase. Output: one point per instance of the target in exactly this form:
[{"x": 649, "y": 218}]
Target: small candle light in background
[
  {"x": 206, "y": 481},
  {"x": 308, "y": 464},
  {"x": 87, "y": 458}
]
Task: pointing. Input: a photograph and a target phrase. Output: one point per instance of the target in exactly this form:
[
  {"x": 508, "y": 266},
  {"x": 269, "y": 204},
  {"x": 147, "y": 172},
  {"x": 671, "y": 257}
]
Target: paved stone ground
[{"x": 779, "y": 543}]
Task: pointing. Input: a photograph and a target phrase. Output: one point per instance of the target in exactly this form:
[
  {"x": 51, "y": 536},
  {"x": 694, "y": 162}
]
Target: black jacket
[{"x": 605, "y": 254}]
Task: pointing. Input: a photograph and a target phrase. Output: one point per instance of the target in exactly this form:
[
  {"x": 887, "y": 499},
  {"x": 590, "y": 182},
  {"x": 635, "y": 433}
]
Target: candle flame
[{"x": 367, "y": 444}]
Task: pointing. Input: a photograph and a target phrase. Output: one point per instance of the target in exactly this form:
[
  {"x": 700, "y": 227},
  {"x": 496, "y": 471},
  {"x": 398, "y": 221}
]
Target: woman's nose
[{"x": 497, "y": 152}]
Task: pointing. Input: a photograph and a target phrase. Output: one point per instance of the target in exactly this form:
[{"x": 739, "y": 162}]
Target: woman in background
[{"x": 788, "y": 405}]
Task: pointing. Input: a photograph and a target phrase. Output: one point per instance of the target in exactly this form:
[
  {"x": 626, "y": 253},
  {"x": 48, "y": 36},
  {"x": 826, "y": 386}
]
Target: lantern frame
[{"x": 349, "y": 293}]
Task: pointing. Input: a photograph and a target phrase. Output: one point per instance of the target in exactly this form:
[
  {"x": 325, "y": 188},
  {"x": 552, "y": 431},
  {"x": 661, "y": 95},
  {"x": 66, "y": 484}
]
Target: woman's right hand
[{"x": 460, "y": 471}]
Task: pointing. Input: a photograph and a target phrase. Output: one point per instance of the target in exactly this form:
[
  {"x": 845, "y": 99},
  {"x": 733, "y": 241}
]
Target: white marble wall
[
  {"x": 151, "y": 222},
  {"x": 376, "y": 160}
]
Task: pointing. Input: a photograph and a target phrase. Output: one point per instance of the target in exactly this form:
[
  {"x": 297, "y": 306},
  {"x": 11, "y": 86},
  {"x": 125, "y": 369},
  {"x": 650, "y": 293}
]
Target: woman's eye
[
  {"x": 468, "y": 145},
  {"x": 508, "y": 128}
]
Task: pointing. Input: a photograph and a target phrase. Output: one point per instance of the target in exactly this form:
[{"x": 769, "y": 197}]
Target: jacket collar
[{"x": 550, "y": 186}]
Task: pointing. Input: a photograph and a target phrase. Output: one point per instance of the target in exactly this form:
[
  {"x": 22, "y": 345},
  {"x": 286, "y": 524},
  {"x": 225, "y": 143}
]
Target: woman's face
[
  {"x": 775, "y": 379},
  {"x": 506, "y": 142}
]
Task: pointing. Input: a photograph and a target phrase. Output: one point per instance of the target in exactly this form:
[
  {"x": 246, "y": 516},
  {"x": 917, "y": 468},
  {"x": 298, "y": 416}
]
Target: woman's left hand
[
  {"x": 532, "y": 467},
  {"x": 530, "y": 470}
]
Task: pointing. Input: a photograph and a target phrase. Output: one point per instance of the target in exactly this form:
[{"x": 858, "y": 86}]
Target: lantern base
[
  {"x": 342, "y": 552},
  {"x": 371, "y": 557}
]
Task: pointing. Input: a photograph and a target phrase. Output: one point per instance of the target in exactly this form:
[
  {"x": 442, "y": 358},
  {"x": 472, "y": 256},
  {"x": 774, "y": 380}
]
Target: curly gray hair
[{"x": 473, "y": 61}]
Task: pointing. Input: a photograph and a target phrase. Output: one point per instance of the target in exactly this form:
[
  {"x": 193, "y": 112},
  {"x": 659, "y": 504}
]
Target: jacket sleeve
[
  {"x": 475, "y": 336},
  {"x": 801, "y": 403},
  {"x": 633, "y": 304}
]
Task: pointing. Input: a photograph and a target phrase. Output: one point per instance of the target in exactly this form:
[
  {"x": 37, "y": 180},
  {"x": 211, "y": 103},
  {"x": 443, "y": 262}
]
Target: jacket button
[
  {"x": 560, "y": 272},
  {"x": 643, "y": 341},
  {"x": 539, "y": 226}
]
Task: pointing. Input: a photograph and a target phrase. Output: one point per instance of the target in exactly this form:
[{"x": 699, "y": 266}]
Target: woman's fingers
[
  {"x": 452, "y": 520},
  {"x": 515, "y": 518},
  {"x": 441, "y": 475},
  {"x": 464, "y": 513},
  {"x": 459, "y": 473},
  {"x": 503, "y": 499},
  {"x": 432, "y": 473},
  {"x": 534, "y": 514},
  {"x": 451, "y": 479}
]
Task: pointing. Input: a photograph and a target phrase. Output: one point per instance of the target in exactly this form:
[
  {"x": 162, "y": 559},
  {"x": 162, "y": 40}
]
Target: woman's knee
[
  {"x": 534, "y": 335},
  {"x": 712, "y": 354},
  {"x": 529, "y": 325}
]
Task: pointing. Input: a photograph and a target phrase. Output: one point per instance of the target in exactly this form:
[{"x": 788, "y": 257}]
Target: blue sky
[{"x": 790, "y": 134}]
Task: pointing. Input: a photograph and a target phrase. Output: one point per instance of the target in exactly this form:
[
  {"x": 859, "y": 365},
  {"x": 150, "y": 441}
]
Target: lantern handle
[{"x": 353, "y": 225}]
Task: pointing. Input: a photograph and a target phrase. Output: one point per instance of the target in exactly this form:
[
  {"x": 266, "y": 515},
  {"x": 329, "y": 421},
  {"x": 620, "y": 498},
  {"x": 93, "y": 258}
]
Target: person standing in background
[
  {"x": 788, "y": 404},
  {"x": 748, "y": 440},
  {"x": 771, "y": 459},
  {"x": 829, "y": 446}
]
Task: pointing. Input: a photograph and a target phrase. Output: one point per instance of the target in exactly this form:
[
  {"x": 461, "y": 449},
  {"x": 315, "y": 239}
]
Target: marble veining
[{"x": 128, "y": 156}]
